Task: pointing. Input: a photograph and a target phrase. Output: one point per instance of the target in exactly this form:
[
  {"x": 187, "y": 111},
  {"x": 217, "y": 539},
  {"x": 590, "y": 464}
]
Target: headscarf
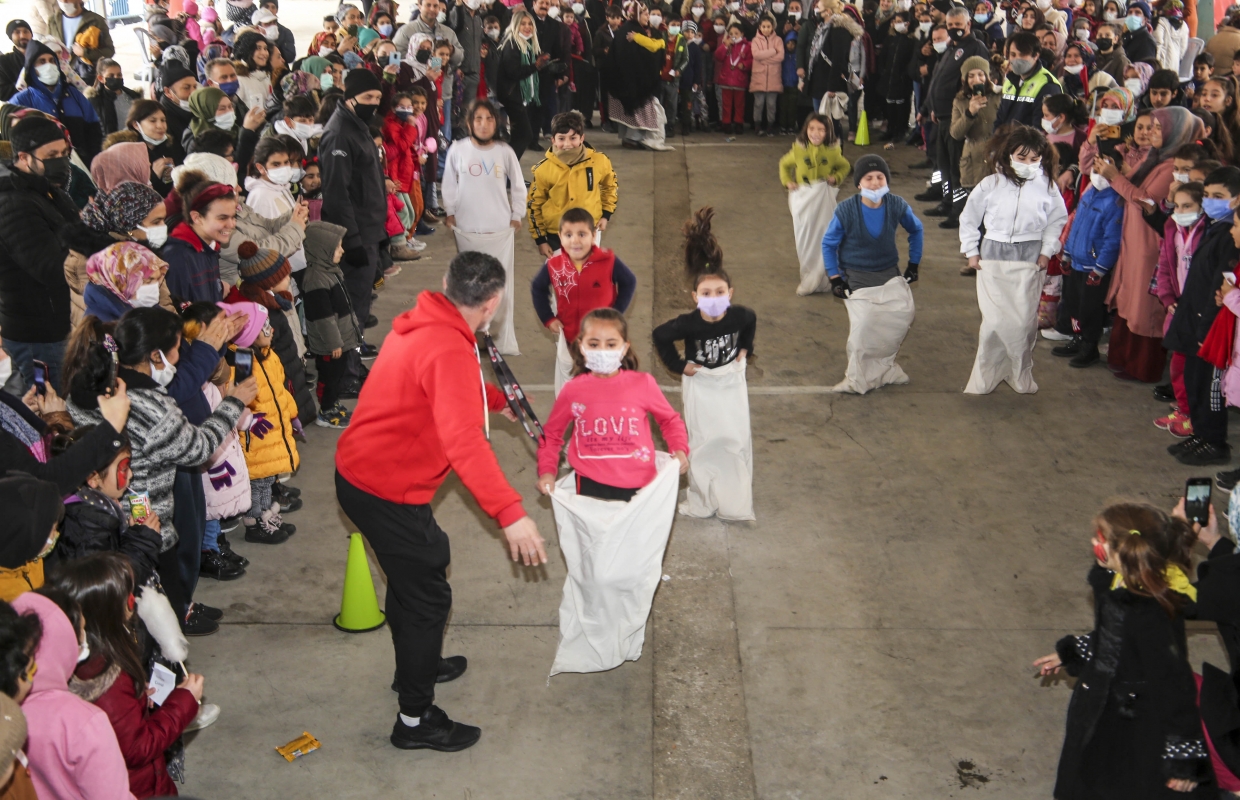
[
  {"x": 127, "y": 161},
  {"x": 216, "y": 168},
  {"x": 123, "y": 267},
  {"x": 632, "y": 9},
  {"x": 1126, "y": 98},
  {"x": 203, "y": 104},
  {"x": 239, "y": 12},
  {"x": 419, "y": 69},
  {"x": 122, "y": 209},
  {"x": 298, "y": 83},
  {"x": 1179, "y": 127},
  {"x": 316, "y": 44},
  {"x": 344, "y": 9},
  {"x": 315, "y": 65},
  {"x": 1061, "y": 41},
  {"x": 1144, "y": 73}
]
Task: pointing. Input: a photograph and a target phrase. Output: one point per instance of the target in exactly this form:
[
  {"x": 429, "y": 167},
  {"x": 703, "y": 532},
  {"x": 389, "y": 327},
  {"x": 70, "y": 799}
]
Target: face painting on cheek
[{"x": 122, "y": 474}]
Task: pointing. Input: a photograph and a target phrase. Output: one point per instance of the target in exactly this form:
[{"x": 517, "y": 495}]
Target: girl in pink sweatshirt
[{"x": 607, "y": 403}]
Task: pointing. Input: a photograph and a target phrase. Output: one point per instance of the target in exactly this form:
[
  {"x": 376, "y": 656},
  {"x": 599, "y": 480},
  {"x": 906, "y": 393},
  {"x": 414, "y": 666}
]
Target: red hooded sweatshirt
[{"x": 420, "y": 414}]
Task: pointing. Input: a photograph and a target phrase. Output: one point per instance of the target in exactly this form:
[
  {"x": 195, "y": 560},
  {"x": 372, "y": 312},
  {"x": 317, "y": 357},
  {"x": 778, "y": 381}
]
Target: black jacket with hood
[{"x": 353, "y": 191}]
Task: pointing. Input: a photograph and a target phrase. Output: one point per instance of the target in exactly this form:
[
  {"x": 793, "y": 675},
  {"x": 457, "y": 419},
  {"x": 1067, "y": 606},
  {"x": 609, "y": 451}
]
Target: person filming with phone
[{"x": 426, "y": 391}]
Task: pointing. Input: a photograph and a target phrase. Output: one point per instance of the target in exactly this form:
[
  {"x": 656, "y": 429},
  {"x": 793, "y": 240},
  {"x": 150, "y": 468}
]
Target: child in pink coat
[
  {"x": 766, "y": 81},
  {"x": 733, "y": 65},
  {"x": 1174, "y": 256}
]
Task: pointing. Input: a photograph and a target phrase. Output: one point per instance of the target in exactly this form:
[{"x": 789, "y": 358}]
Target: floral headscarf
[
  {"x": 123, "y": 267},
  {"x": 1144, "y": 73},
  {"x": 122, "y": 209},
  {"x": 299, "y": 83},
  {"x": 125, "y": 161},
  {"x": 320, "y": 40},
  {"x": 1126, "y": 98}
]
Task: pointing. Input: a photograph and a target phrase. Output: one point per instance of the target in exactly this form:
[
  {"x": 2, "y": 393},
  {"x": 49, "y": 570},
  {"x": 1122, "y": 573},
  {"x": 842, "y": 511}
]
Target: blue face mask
[
  {"x": 1134, "y": 21},
  {"x": 875, "y": 195},
  {"x": 385, "y": 31},
  {"x": 981, "y": 18},
  {"x": 230, "y": 88},
  {"x": 1216, "y": 208}
]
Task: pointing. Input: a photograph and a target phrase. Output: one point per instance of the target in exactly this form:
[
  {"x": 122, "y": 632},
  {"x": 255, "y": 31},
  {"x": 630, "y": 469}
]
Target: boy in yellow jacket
[{"x": 573, "y": 175}]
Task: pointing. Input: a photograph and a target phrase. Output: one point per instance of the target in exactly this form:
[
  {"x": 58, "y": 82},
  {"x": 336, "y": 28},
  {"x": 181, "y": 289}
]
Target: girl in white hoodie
[
  {"x": 1023, "y": 214},
  {"x": 267, "y": 188}
]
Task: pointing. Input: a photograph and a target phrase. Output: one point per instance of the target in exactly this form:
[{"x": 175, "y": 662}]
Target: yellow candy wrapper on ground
[{"x": 299, "y": 747}]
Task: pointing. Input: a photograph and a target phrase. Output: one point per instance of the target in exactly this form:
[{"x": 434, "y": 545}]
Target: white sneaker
[
  {"x": 208, "y": 713},
  {"x": 416, "y": 244},
  {"x": 1054, "y": 335}
]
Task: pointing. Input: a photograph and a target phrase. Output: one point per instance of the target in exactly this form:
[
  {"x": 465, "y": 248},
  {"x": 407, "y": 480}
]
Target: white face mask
[
  {"x": 875, "y": 195},
  {"x": 904, "y": 5},
  {"x": 940, "y": 47},
  {"x": 901, "y": 27},
  {"x": 303, "y": 130},
  {"x": 441, "y": 16},
  {"x": 1133, "y": 85},
  {"x": 163, "y": 375},
  {"x": 1048, "y": 125},
  {"x": 734, "y": 6},
  {"x": 1109, "y": 16},
  {"x": 925, "y": 27},
  {"x": 1186, "y": 219},
  {"x": 325, "y": 51},
  {"x": 1026, "y": 171},
  {"x": 578, "y": 8},
  {"x": 656, "y": 20},
  {"x": 778, "y": 8},
  {"x": 68, "y": 8},
  {"x": 554, "y": 12},
  {"x": 526, "y": 36},
  {"x": 697, "y": 12},
  {"x": 719, "y": 29},
  {"x": 1044, "y": 4},
  {"x": 48, "y": 74},
  {"x": 225, "y": 122},
  {"x": 1110, "y": 116},
  {"x": 147, "y": 296},
  {"x": 1100, "y": 183},
  {"x": 6, "y": 370},
  {"x": 184, "y": 104},
  {"x": 1179, "y": 177},
  {"x": 281, "y": 176},
  {"x": 156, "y": 235},
  {"x": 1082, "y": 34},
  {"x": 603, "y": 361},
  {"x": 83, "y": 649},
  {"x": 150, "y": 139},
  {"x": 271, "y": 33},
  {"x": 1074, "y": 70},
  {"x": 493, "y": 33}
]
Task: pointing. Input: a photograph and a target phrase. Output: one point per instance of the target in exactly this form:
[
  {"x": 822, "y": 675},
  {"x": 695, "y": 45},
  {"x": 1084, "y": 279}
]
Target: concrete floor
[{"x": 869, "y": 636}]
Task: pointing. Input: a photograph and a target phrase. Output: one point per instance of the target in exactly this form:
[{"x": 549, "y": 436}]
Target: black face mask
[
  {"x": 956, "y": 34},
  {"x": 56, "y": 170},
  {"x": 365, "y": 111},
  {"x": 1105, "y": 44},
  {"x": 114, "y": 84},
  {"x": 423, "y": 56}
]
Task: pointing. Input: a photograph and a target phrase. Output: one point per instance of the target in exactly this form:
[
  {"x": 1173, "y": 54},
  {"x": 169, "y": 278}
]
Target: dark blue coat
[{"x": 1093, "y": 243}]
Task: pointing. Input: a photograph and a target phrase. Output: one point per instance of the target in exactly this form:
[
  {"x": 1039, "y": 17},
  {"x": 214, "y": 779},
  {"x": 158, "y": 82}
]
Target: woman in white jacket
[
  {"x": 1171, "y": 36},
  {"x": 1023, "y": 214}
]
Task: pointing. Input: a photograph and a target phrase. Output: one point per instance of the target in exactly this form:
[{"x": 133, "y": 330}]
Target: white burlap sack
[
  {"x": 720, "y": 444},
  {"x": 563, "y": 363},
  {"x": 879, "y": 318},
  {"x": 614, "y": 552},
  {"x": 812, "y": 208},
  {"x": 499, "y": 244},
  {"x": 1008, "y": 294}
]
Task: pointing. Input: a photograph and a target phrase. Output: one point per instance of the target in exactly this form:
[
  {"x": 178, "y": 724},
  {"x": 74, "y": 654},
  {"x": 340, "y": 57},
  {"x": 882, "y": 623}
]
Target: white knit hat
[{"x": 214, "y": 167}]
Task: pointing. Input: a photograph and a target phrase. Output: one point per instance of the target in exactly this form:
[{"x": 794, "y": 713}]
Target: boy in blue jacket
[
  {"x": 1087, "y": 260},
  {"x": 791, "y": 97},
  {"x": 691, "y": 76}
]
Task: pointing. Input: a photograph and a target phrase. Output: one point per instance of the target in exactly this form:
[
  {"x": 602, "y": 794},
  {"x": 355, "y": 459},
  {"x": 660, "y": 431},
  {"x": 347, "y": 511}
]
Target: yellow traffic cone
[
  {"x": 863, "y": 130},
  {"x": 359, "y": 608}
]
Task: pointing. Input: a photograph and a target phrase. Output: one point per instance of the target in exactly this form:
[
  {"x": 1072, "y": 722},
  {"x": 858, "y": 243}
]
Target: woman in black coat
[
  {"x": 1133, "y": 729},
  {"x": 823, "y": 48},
  {"x": 519, "y": 67},
  {"x": 630, "y": 75},
  {"x": 895, "y": 76}
]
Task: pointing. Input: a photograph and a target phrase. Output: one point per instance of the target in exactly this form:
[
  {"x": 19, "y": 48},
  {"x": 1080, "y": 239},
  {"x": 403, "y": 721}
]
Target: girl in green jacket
[{"x": 815, "y": 156}]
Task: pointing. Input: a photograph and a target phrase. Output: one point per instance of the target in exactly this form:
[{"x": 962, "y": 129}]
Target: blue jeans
[
  {"x": 24, "y": 355},
  {"x": 447, "y": 135},
  {"x": 211, "y": 536}
]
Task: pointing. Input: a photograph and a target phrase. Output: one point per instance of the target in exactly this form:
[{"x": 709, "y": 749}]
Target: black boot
[
  {"x": 941, "y": 210},
  {"x": 434, "y": 732},
  {"x": 1070, "y": 348},
  {"x": 1087, "y": 357},
  {"x": 1164, "y": 392},
  {"x": 214, "y": 565},
  {"x": 933, "y": 192},
  {"x": 227, "y": 551}
]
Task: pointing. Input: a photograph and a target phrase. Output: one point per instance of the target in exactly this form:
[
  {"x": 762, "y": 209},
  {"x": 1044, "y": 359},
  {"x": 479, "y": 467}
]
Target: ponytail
[
  {"x": 1146, "y": 540},
  {"x": 703, "y": 256},
  {"x": 88, "y": 333},
  {"x": 1074, "y": 110}
]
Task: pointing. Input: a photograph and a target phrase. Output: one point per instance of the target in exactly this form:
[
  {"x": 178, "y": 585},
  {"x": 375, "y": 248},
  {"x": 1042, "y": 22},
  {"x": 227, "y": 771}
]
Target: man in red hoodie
[{"x": 422, "y": 413}]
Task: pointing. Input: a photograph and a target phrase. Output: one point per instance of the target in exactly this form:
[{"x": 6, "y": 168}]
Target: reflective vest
[{"x": 1031, "y": 88}]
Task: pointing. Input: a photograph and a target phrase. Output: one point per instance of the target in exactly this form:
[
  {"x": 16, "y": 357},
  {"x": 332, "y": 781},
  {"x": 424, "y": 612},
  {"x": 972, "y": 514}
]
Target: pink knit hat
[{"x": 256, "y": 318}]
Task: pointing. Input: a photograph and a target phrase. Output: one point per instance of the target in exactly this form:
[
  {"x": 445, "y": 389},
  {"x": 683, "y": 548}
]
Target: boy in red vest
[{"x": 584, "y": 277}]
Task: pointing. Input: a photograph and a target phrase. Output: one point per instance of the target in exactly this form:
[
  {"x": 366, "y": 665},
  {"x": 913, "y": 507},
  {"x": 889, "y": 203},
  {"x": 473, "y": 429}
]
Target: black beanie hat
[
  {"x": 360, "y": 80},
  {"x": 31, "y": 508},
  {"x": 870, "y": 163},
  {"x": 14, "y": 25},
  {"x": 31, "y": 133},
  {"x": 173, "y": 71}
]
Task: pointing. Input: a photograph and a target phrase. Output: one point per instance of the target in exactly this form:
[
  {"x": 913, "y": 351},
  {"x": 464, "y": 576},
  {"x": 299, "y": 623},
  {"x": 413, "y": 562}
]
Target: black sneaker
[
  {"x": 229, "y": 524},
  {"x": 227, "y": 551},
  {"x": 1088, "y": 356},
  {"x": 210, "y": 612},
  {"x": 941, "y": 210},
  {"x": 198, "y": 624},
  {"x": 434, "y": 732},
  {"x": 1205, "y": 454},
  {"x": 1226, "y": 481},
  {"x": 450, "y": 669},
  {"x": 368, "y": 350},
  {"x": 1068, "y": 349},
  {"x": 934, "y": 192},
  {"x": 1183, "y": 446},
  {"x": 288, "y": 502},
  {"x": 371, "y": 321},
  {"x": 214, "y": 565},
  {"x": 1164, "y": 392},
  {"x": 265, "y": 531},
  {"x": 284, "y": 488},
  {"x": 950, "y": 223}
]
